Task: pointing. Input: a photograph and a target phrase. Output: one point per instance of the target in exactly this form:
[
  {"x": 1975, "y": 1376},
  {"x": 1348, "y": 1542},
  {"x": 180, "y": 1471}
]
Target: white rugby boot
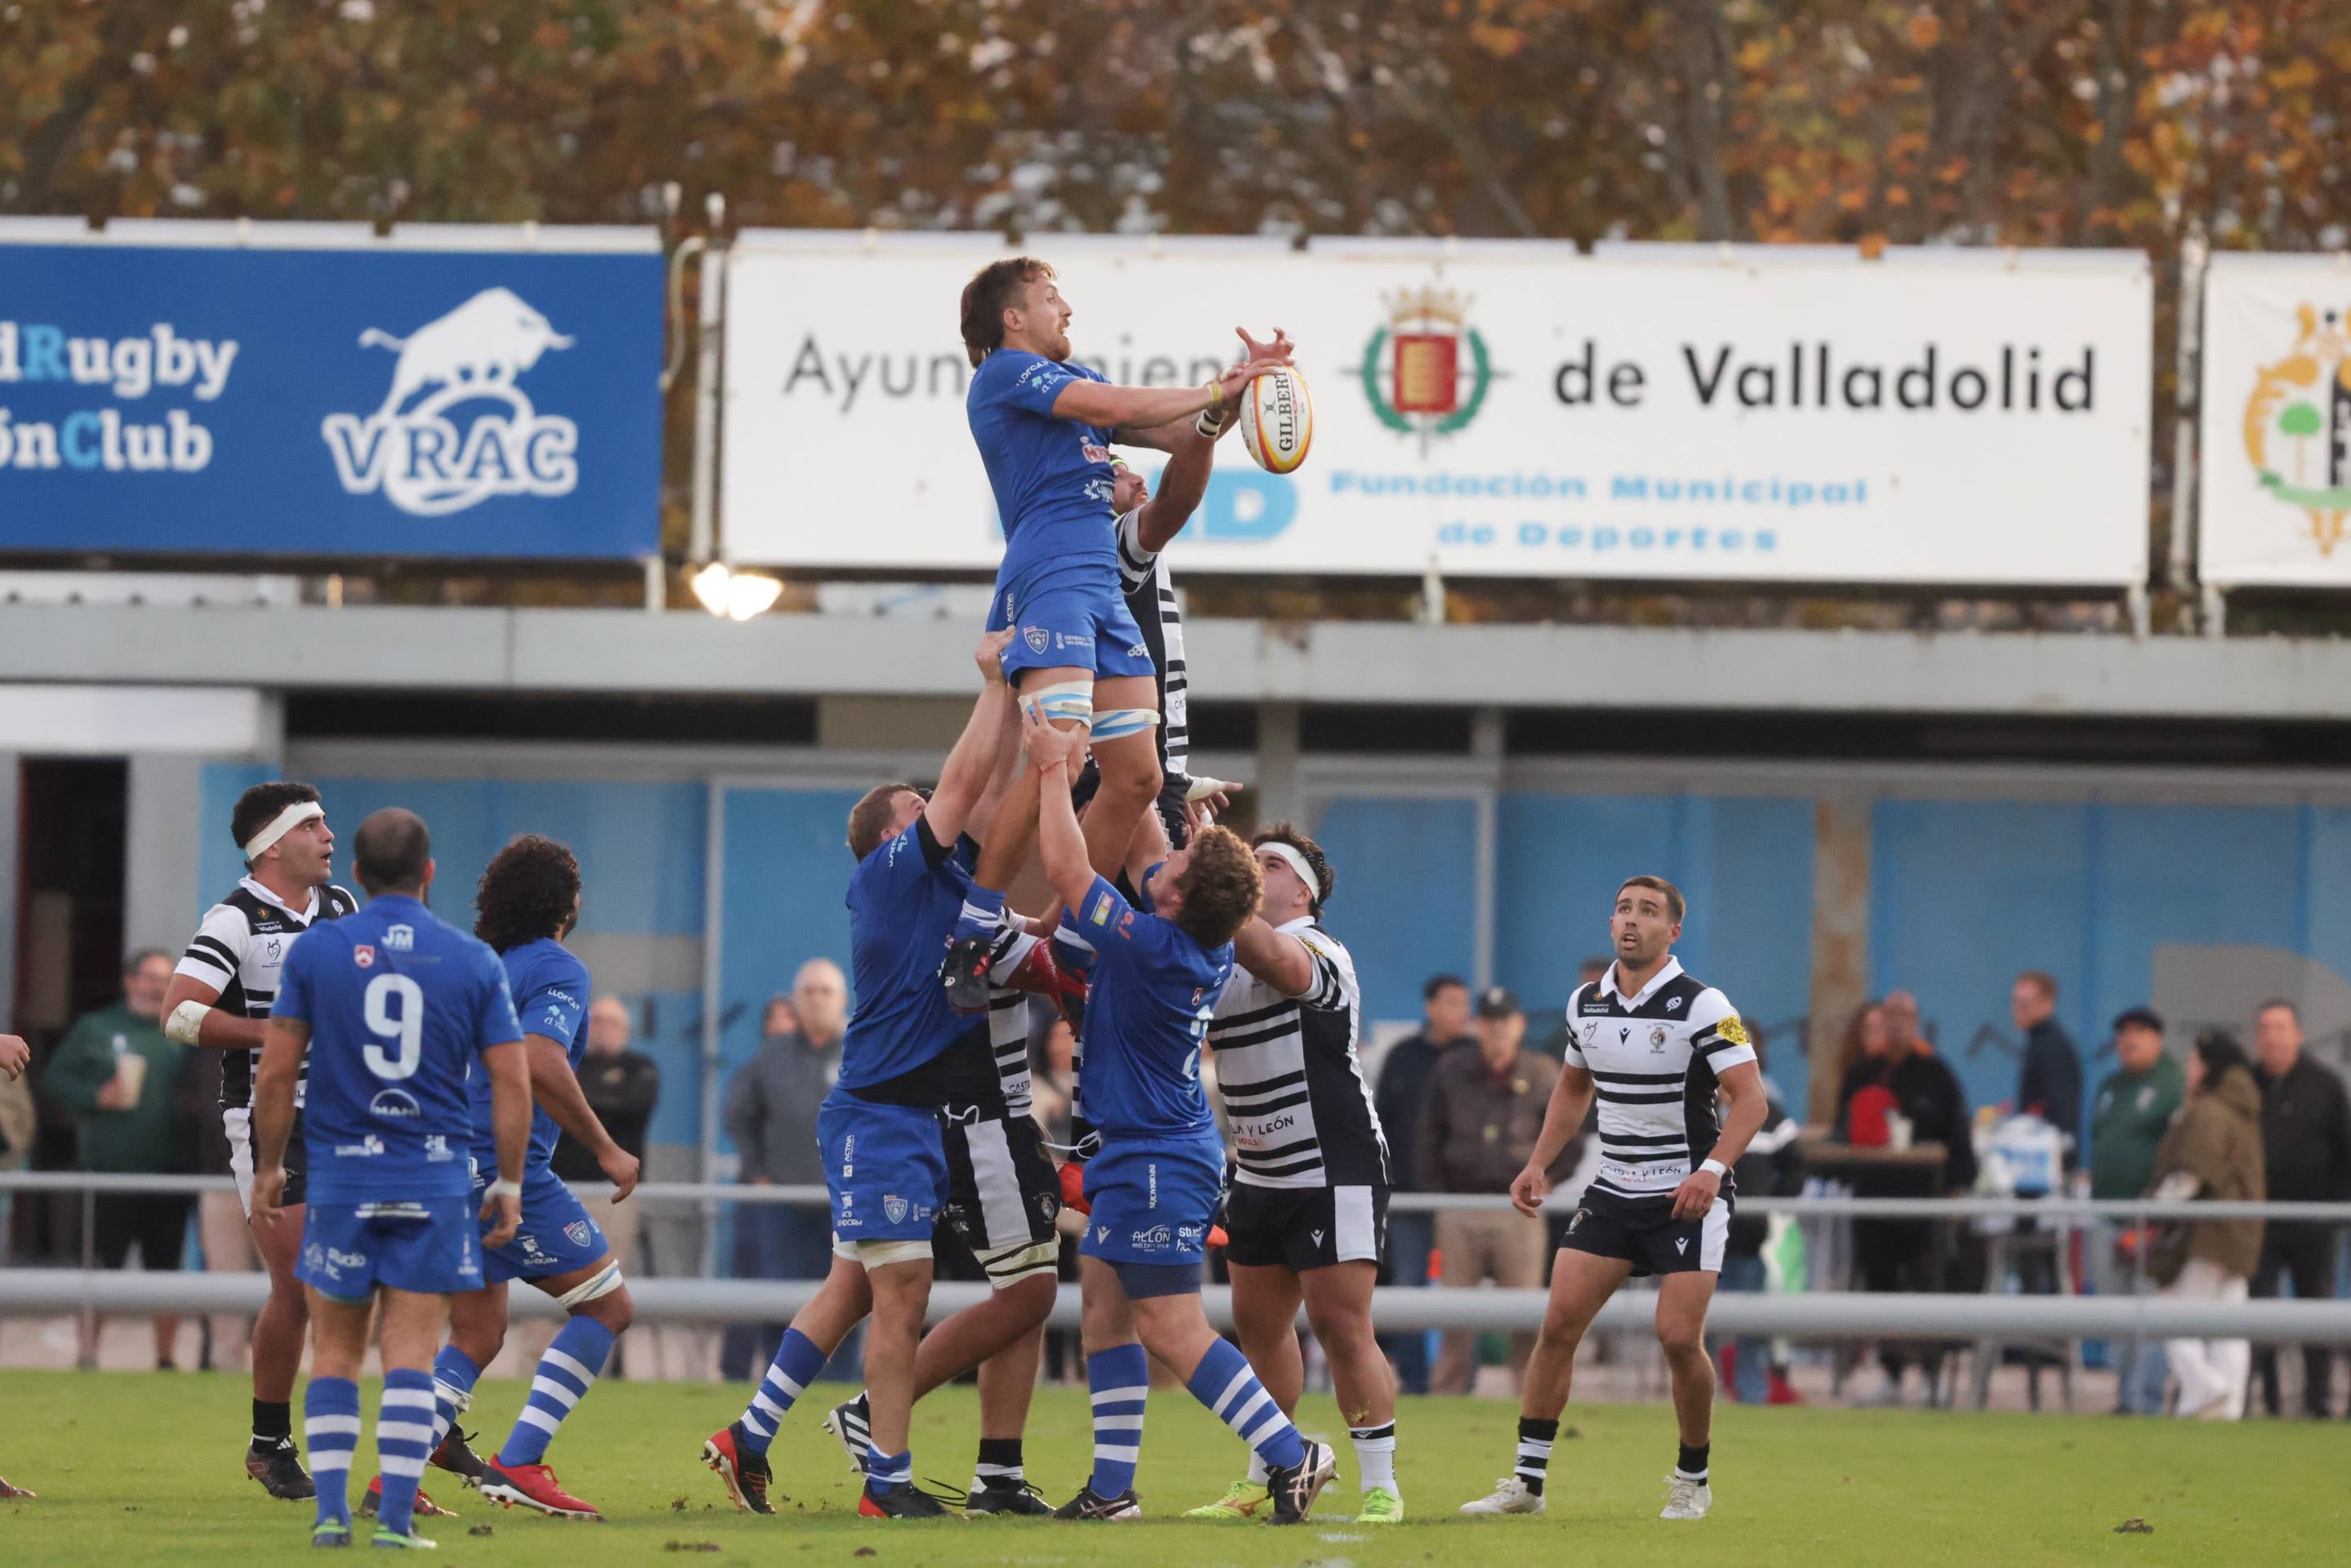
[{"x": 1510, "y": 1496}]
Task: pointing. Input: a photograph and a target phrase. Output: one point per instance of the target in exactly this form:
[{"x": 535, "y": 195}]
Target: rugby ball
[{"x": 1278, "y": 420}]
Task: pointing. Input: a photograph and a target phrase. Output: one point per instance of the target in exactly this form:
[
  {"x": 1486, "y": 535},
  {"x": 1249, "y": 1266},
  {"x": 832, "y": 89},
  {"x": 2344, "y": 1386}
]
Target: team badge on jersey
[
  {"x": 363, "y": 955},
  {"x": 1731, "y": 1030},
  {"x": 1657, "y": 1039}
]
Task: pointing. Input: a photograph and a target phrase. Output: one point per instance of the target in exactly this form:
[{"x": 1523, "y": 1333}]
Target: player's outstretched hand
[
  {"x": 620, "y": 1168},
  {"x": 268, "y": 1186},
  {"x": 989, "y": 656},
  {"x": 1528, "y": 1190},
  {"x": 1049, "y": 745},
  {"x": 1277, "y": 352},
  {"x": 15, "y": 1056},
  {"x": 1696, "y": 1194},
  {"x": 503, "y": 1214}
]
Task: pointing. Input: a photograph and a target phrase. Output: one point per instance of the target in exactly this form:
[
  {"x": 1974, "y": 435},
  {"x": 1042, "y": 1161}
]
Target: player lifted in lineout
[
  {"x": 219, "y": 1000},
  {"x": 394, "y": 1009},
  {"x": 1157, "y": 973},
  {"x": 1654, "y": 1044},
  {"x": 1044, "y": 428},
  {"x": 528, "y": 902}
]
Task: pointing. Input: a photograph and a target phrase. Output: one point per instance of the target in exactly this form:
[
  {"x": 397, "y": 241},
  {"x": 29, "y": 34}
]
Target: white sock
[
  {"x": 1376, "y": 1455},
  {"x": 1258, "y": 1474}
]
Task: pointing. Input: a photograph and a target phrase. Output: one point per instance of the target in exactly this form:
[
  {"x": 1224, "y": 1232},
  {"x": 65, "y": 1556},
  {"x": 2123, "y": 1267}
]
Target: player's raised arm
[
  {"x": 1056, "y": 754},
  {"x": 1192, "y": 455},
  {"x": 1007, "y": 766},
  {"x": 1277, "y": 958},
  {"x": 972, "y": 761}
]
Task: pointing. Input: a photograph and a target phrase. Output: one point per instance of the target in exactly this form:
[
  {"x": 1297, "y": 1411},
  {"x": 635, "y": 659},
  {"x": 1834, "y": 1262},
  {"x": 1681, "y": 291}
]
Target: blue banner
[{"x": 330, "y": 401}]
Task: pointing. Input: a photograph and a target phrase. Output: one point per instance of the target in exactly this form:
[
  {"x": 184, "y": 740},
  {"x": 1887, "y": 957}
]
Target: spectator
[
  {"x": 621, "y": 1087},
  {"x": 1483, "y": 1111},
  {"x": 1861, "y": 1051},
  {"x": 221, "y": 1229},
  {"x": 771, "y": 1109},
  {"x": 18, "y": 1120},
  {"x": 121, "y": 1079},
  {"x": 2127, "y": 1119},
  {"x": 2212, "y": 1154},
  {"x": 1403, "y": 1090},
  {"x": 2049, "y": 1080},
  {"x": 1773, "y": 1167},
  {"x": 1904, "y": 1255},
  {"x": 2307, "y": 1142}
]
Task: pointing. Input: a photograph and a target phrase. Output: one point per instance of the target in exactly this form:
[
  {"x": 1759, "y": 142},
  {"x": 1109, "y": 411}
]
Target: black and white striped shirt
[
  {"x": 1151, "y": 600},
  {"x": 239, "y": 948},
  {"x": 1008, "y": 1037},
  {"x": 1291, "y": 1079},
  {"x": 1654, "y": 1057}
]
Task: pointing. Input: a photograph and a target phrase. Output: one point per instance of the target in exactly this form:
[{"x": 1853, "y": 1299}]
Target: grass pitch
[{"x": 140, "y": 1468}]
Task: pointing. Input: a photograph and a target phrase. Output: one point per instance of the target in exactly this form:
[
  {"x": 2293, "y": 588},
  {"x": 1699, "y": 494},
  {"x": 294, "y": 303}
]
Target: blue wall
[
  {"x": 1744, "y": 864},
  {"x": 1405, "y": 900}
]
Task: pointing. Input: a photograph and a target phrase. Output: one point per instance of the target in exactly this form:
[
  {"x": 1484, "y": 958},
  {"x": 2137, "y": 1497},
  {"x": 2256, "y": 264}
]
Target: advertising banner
[
  {"x": 314, "y": 391},
  {"x": 2276, "y": 490},
  {"x": 1494, "y": 408}
]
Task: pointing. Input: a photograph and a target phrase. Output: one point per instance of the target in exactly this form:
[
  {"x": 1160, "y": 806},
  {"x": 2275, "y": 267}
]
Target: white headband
[
  {"x": 1295, "y": 861},
  {"x": 285, "y": 822}
]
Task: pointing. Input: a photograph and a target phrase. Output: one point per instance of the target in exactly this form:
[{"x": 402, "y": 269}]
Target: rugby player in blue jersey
[
  {"x": 528, "y": 902},
  {"x": 1157, "y": 972},
  {"x": 1045, "y": 427},
  {"x": 907, "y": 1054},
  {"x": 392, "y": 1006}
]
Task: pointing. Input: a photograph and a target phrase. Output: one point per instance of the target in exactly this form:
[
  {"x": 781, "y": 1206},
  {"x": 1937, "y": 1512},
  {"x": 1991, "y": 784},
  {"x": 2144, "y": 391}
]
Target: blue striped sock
[
  {"x": 1118, "y": 1377},
  {"x": 1224, "y": 1383},
  {"x": 403, "y": 1441},
  {"x": 981, "y": 907},
  {"x": 453, "y": 1377},
  {"x": 797, "y": 1362},
  {"x": 888, "y": 1472},
  {"x": 566, "y": 1373},
  {"x": 330, "y": 1426}
]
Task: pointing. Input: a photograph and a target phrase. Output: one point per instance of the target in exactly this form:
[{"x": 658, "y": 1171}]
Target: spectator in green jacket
[
  {"x": 2127, "y": 1118},
  {"x": 120, "y": 1077}
]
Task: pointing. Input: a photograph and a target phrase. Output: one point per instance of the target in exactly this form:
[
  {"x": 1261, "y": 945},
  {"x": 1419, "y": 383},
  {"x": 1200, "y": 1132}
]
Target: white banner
[
  {"x": 1656, "y": 411},
  {"x": 2276, "y": 433}
]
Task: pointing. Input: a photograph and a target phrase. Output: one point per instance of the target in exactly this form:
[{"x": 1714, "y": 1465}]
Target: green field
[{"x": 136, "y": 1468}]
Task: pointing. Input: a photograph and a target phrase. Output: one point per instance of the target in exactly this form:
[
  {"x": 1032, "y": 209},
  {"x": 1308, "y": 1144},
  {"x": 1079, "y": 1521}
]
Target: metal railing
[{"x": 1810, "y": 1316}]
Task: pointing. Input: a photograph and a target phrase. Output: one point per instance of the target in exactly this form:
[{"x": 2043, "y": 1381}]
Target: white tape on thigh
[
  {"x": 579, "y": 1296},
  {"x": 1118, "y": 723},
  {"x": 1037, "y": 1257},
  {"x": 873, "y": 1255},
  {"x": 1068, "y": 702}
]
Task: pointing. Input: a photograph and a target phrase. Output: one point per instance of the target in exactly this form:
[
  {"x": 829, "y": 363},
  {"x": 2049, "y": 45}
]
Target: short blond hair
[{"x": 1222, "y": 887}]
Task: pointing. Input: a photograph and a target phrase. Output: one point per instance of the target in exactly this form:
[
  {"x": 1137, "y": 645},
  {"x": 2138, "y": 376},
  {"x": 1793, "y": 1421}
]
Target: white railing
[{"x": 1814, "y": 1315}]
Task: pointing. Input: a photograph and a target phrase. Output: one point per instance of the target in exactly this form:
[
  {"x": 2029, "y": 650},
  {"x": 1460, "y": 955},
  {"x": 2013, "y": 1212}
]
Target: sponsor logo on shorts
[
  {"x": 1158, "y": 1239},
  {"x": 1101, "y": 1233},
  {"x": 331, "y": 1261},
  {"x": 1037, "y": 637},
  {"x": 438, "y": 1150},
  {"x": 1188, "y": 1236},
  {"x": 366, "y": 1148},
  {"x": 893, "y": 1208},
  {"x": 1151, "y": 1173},
  {"x": 1071, "y": 640},
  {"x": 394, "y": 1105},
  {"x": 1681, "y": 1244},
  {"x": 1318, "y": 1236},
  {"x": 1138, "y": 651},
  {"x": 578, "y": 1231},
  {"x": 400, "y": 939},
  {"x": 363, "y": 955},
  {"x": 1576, "y": 1223}
]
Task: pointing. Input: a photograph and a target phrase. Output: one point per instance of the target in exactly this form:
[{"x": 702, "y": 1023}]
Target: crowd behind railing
[{"x": 1461, "y": 1100}]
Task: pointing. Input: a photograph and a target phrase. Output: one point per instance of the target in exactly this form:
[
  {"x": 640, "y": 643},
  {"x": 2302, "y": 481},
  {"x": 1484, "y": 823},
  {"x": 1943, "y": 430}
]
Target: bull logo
[{"x": 411, "y": 448}]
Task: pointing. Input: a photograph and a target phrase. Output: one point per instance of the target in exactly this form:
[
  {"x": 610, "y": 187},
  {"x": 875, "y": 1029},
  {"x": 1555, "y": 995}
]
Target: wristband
[
  {"x": 1211, "y": 424},
  {"x": 1714, "y": 1166},
  {"x": 1216, "y": 394},
  {"x": 505, "y": 1190}
]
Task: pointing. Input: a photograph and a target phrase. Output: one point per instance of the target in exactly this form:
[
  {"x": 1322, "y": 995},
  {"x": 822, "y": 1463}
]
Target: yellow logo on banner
[{"x": 2300, "y": 402}]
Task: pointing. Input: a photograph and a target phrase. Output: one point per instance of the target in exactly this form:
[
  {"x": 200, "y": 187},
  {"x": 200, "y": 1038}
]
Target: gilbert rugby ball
[{"x": 1278, "y": 420}]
